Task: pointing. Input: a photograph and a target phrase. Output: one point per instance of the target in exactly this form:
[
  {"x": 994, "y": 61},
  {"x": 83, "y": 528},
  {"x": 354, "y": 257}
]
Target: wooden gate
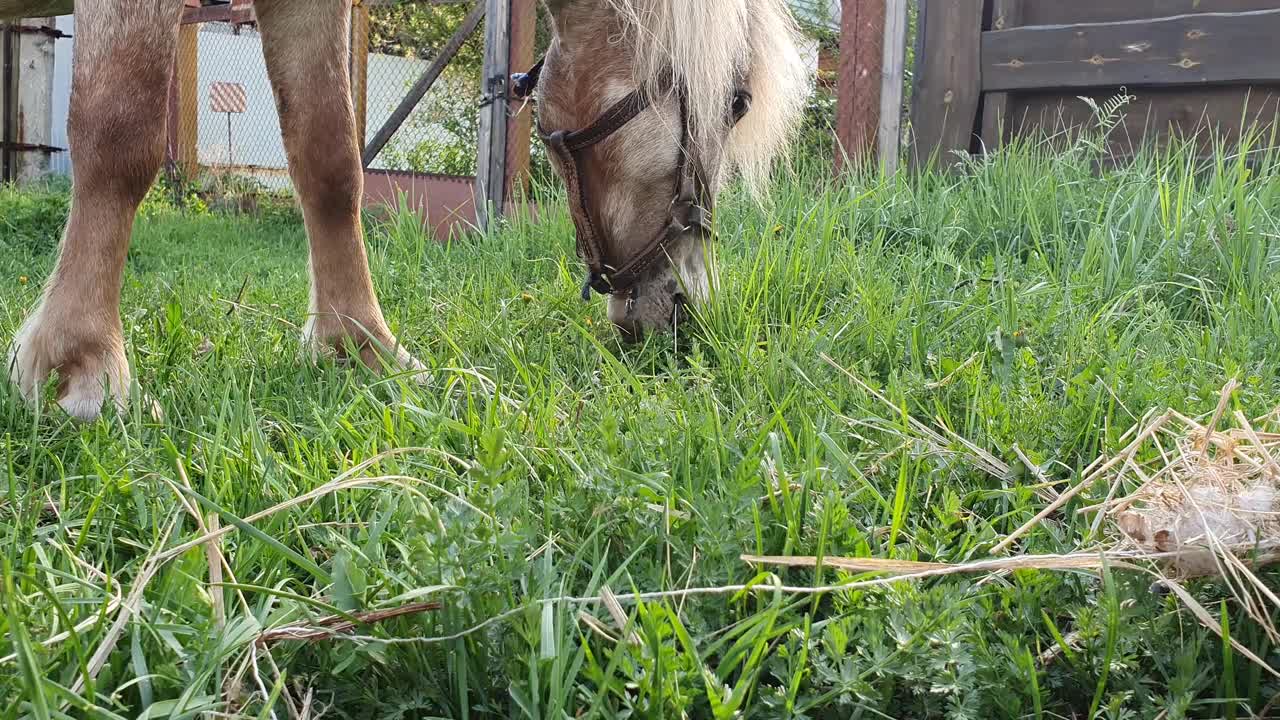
[{"x": 990, "y": 70}]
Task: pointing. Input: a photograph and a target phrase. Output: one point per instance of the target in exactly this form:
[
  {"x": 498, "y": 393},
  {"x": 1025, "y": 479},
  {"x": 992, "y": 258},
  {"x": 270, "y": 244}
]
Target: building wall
[{"x": 60, "y": 163}]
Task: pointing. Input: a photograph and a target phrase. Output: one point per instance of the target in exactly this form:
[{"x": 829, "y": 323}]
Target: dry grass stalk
[
  {"x": 1195, "y": 486},
  {"x": 332, "y": 625},
  {"x": 939, "y": 443},
  {"x": 156, "y": 560},
  {"x": 1200, "y": 499},
  {"x": 611, "y": 604},
  {"x": 1214, "y": 489},
  {"x": 917, "y": 569},
  {"x": 1091, "y": 476},
  {"x": 1123, "y": 559},
  {"x": 596, "y": 626}
]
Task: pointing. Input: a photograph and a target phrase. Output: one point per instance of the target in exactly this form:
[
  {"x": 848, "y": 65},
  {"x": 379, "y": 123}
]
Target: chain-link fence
[
  {"x": 227, "y": 128},
  {"x": 441, "y": 133},
  {"x": 237, "y": 129}
]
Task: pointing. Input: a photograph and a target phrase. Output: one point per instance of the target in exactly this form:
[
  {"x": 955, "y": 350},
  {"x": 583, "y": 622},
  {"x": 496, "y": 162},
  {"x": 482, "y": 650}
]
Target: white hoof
[
  {"x": 91, "y": 366},
  {"x": 378, "y": 349}
]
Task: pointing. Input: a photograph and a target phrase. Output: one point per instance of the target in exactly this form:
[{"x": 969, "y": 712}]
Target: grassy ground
[{"x": 1032, "y": 304}]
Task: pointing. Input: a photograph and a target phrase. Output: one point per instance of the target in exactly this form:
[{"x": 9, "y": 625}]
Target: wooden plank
[
  {"x": 34, "y": 8},
  {"x": 893, "y": 73},
  {"x": 242, "y": 12},
  {"x": 491, "y": 156},
  {"x": 1005, "y": 15},
  {"x": 1180, "y": 50},
  {"x": 944, "y": 105},
  {"x": 187, "y": 101},
  {"x": 360, "y": 67},
  {"x": 524, "y": 19},
  {"x": 207, "y": 13},
  {"x": 1067, "y": 12},
  {"x": 35, "y": 101},
  {"x": 1207, "y": 114},
  {"x": 423, "y": 84},
  {"x": 858, "y": 102}
]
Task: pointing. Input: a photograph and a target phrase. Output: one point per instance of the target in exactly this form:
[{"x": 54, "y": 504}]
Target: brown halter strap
[{"x": 688, "y": 210}]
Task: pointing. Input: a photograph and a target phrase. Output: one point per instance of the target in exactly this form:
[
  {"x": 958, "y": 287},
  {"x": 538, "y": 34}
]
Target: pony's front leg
[
  {"x": 124, "y": 51},
  {"x": 305, "y": 44}
]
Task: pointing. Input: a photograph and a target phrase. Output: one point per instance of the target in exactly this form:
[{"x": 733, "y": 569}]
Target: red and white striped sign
[{"x": 227, "y": 97}]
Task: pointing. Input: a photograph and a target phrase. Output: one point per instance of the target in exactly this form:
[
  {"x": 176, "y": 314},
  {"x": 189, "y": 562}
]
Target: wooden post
[
  {"x": 524, "y": 19},
  {"x": 35, "y": 99},
  {"x": 183, "y": 132},
  {"x": 360, "y": 67},
  {"x": 861, "y": 55},
  {"x": 1005, "y": 15},
  {"x": 186, "y": 77},
  {"x": 892, "y": 78},
  {"x": 948, "y": 79},
  {"x": 491, "y": 174}
]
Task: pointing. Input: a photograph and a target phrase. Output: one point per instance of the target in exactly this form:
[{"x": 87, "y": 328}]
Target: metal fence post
[
  {"x": 491, "y": 162},
  {"x": 524, "y": 19}
]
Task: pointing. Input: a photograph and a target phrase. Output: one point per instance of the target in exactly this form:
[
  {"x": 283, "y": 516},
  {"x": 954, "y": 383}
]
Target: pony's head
[{"x": 646, "y": 107}]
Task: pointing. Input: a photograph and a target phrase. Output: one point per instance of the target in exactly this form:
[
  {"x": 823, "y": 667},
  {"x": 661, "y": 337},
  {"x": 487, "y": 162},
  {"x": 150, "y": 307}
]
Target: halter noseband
[{"x": 689, "y": 197}]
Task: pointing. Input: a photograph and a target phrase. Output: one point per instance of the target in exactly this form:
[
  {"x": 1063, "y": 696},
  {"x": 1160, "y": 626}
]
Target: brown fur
[
  {"x": 123, "y": 63},
  {"x": 601, "y": 51},
  {"x": 124, "y": 51},
  {"x": 631, "y": 174}
]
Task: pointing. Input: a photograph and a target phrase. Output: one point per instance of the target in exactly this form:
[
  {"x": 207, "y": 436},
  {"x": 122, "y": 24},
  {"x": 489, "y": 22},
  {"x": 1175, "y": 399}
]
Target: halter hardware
[{"x": 689, "y": 208}]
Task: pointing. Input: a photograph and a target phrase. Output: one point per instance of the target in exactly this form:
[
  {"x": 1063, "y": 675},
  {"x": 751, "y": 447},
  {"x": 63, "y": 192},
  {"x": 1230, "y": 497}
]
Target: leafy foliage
[
  {"x": 32, "y": 220},
  {"x": 420, "y": 30}
]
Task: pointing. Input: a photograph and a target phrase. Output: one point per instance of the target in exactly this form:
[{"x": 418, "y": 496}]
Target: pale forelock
[{"x": 712, "y": 45}]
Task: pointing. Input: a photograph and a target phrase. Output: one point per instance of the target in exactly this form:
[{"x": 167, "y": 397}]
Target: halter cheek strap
[{"x": 689, "y": 196}]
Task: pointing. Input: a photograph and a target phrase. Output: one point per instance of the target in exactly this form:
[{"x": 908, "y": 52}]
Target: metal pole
[
  {"x": 491, "y": 161},
  {"x": 230, "y": 157},
  {"x": 6, "y": 107}
]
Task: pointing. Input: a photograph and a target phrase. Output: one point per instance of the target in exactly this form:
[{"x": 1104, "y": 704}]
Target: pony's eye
[{"x": 741, "y": 104}]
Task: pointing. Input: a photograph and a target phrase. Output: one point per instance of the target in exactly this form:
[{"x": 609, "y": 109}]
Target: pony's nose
[{"x": 629, "y": 331}]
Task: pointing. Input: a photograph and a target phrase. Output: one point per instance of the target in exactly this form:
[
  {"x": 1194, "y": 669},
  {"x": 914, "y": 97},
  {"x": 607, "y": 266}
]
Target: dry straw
[{"x": 1183, "y": 498}]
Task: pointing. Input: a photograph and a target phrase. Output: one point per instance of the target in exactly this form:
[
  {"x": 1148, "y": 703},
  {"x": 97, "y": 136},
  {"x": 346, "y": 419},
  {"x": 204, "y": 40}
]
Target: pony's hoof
[
  {"x": 377, "y": 348},
  {"x": 92, "y": 368},
  {"x": 391, "y": 357}
]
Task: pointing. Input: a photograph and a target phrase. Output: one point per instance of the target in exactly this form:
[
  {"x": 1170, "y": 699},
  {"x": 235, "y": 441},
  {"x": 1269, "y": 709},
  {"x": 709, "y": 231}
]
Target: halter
[{"x": 690, "y": 196}]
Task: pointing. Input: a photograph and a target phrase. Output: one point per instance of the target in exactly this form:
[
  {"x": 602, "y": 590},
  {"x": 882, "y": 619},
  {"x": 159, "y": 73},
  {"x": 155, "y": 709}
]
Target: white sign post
[{"x": 229, "y": 98}]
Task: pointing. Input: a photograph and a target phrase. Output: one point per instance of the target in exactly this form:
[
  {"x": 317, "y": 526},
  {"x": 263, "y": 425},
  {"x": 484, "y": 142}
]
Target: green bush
[{"x": 32, "y": 219}]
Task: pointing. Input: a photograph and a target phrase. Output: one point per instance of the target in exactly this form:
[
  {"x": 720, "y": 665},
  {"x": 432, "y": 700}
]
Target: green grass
[{"x": 1032, "y": 303}]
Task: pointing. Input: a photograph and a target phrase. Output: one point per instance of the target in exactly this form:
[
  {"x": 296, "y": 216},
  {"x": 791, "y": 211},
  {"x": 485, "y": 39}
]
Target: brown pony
[{"x": 713, "y": 85}]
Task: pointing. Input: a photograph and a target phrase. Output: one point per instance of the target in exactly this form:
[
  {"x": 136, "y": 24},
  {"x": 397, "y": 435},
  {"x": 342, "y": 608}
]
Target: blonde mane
[{"x": 712, "y": 46}]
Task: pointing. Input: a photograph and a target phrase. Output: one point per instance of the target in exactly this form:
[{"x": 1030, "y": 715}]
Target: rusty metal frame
[
  {"x": 29, "y": 147},
  {"x": 8, "y": 101},
  {"x": 52, "y": 32},
  {"x": 236, "y": 12}
]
